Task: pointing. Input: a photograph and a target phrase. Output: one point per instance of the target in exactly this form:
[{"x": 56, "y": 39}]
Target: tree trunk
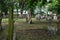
[
  {"x": 1, "y": 20},
  {"x": 11, "y": 24},
  {"x": 17, "y": 12},
  {"x": 21, "y": 15},
  {"x": 22, "y": 7},
  {"x": 28, "y": 18},
  {"x": 6, "y": 13}
]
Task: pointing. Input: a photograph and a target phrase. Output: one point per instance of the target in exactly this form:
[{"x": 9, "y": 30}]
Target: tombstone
[
  {"x": 4, "y": 15},
  {"x": 38, "y": 16},
  {"x": 14, "y": 35},
  {"x": 59, "y": 17},
  {"x": 52, "y": 29},
  {"x": 49, "y": 18},
  {"x": 42, "y": 17},
  {"x": 55, "y": 17}
]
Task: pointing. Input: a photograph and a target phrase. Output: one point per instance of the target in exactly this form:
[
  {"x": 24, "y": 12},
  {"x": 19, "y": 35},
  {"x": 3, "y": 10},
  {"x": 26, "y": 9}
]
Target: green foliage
[
  {"x": 54, "y": 6},
  {"x": 3, "y": 5},
  {"x": 30, "y": 5},
  {"x": 41, "y": 3}
]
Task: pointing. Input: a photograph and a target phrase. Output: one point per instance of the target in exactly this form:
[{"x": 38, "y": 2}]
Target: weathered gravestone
[
  {"x": 38, "y": 16},
  {"x": 55, "y": 17},
  {"x": 49, "y": 18},
  {"x": 52, "y": 29}
]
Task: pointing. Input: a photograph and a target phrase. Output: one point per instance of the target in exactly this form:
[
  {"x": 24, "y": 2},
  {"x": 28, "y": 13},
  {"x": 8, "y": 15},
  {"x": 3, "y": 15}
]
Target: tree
[
  {"x": 4, "y": 7},
  {"x": 11, "y": 21},
  {"x": 0, "y": 20},
  {"x": 41, "y": 3},
  {"x": 54, "y": 6},
  {"x": 21, "y": 4},
  {"x": 30, "y": 5},
  {"x": 1, "y": 10},
  {"x": 16, "y": 6}
]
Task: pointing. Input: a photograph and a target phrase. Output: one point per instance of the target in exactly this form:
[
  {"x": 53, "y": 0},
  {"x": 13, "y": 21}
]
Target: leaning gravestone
[
  {"x": 55, "y": 17},
  {"x": 51, "y": 28},
  {"x": 49, "y": 19},
  {"x": 38, "y": 16}
]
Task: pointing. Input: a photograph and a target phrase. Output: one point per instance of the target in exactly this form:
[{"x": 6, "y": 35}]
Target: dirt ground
[{"x": 36, "y": 34}]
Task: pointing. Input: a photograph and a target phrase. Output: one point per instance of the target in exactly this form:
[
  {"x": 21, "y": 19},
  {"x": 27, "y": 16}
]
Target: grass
[
  {"x": 26, "y": 31},
  {"x": 21, "y": 23},
  {"x": 36, "y": 34}
]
